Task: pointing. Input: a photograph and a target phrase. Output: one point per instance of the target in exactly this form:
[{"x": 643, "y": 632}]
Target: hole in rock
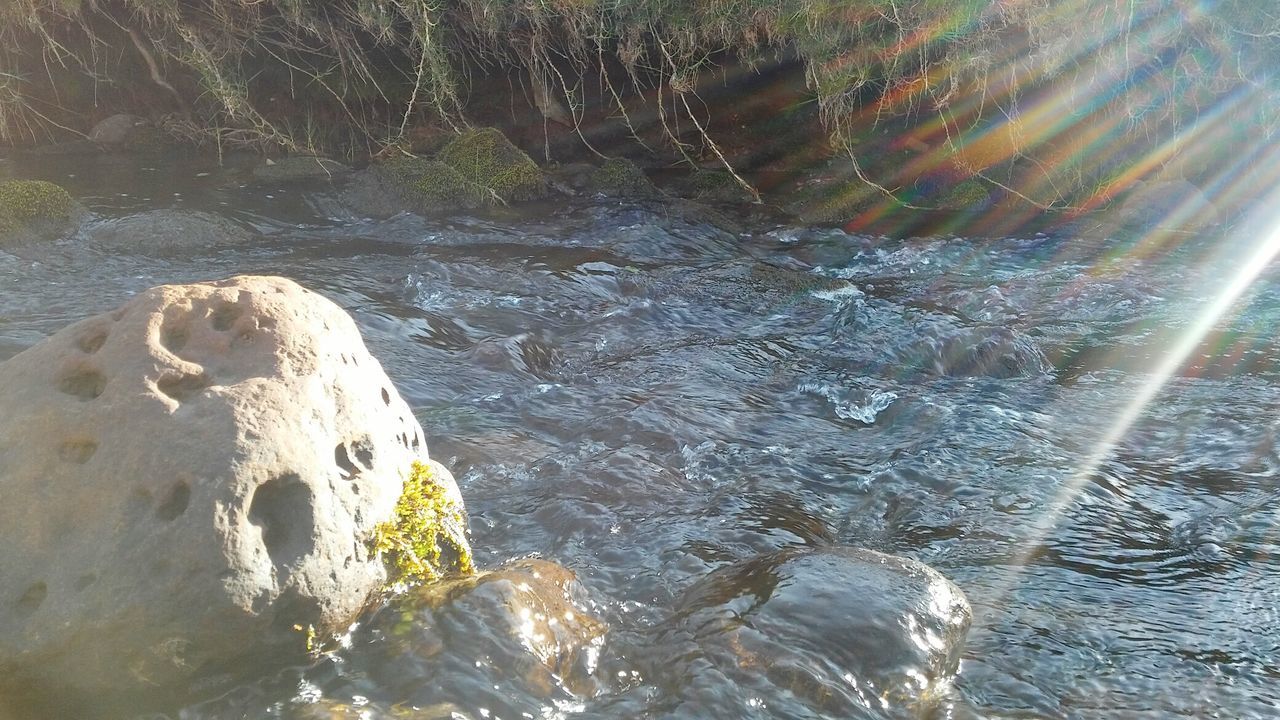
[
  {"x": 386, "y": 396},
  {"x": 77, "y": 451},
  {"x": 175, "y": 337},
  {"x": 364, "y": 453},
  {"x": 282, "y": 508},
  {"x": 224, "y": 316},
  {"x": 293, "y": 610},
  {"x": 182, "y": 386},
  {"x": 92, "y": 342},
  {"x": 417, "y": 441},
  {"x": 83, "y": 382},
  {"x": 84, "y": 581},
  {"x": 176, "y": 502},
  {"x": 343, "y": 460},
  {"x": 32, "y": 598}
]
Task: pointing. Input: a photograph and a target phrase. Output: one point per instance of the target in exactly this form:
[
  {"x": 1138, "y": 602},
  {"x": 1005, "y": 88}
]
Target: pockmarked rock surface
[
  {"x": 769, "y": 626},
  {"x": 191, "y": 482}
]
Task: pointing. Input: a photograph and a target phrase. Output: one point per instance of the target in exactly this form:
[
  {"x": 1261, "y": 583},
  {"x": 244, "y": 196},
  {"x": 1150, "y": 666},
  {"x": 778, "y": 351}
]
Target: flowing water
[{"x": 643, "y": 397}]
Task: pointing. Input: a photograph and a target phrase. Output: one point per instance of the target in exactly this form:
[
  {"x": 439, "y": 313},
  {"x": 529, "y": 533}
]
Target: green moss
[
  {"x": 427, "y": 537},
  {"x": 619, "y": 177},
  {"x": 717, "y": 186},
  {"x": 432, "y": 184},
  {"x": 487, "y": 158},
  {"x": 833, "y": 202},
  {"x": 22, "y": 201},
  {"x": 965, "y": 195}
]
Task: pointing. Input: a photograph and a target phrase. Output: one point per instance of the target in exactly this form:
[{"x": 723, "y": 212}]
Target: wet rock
[
  {"x": 119, "y": 129},
  {"x": 984, "y": 351},
  {"x": 1167, "y": 205},
  {"x": 191, "y": 482},
  {"x": 410, "y": 184},
  {"x": 530, "y": 617},
  {"x": 487, "y": 158},
  {"x": 298, "y": 169},
  {"x": 33, "y": 210},
  {"x": 166, "y": 232},
  {"x": 838, "y": 631}
]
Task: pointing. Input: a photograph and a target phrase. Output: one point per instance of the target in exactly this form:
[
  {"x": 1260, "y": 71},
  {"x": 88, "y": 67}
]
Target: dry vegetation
[{"x": 356, "y": 76}]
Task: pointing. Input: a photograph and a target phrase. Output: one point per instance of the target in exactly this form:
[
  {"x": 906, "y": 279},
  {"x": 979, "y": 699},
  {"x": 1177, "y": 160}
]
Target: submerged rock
[
  {"x": 191, "y": 482},
  {"x": 165, "y": 232},
  {"x": 838, "y": 631},
  {"x": 529, "y": 616},
  {"x": 519, "y": 637}
]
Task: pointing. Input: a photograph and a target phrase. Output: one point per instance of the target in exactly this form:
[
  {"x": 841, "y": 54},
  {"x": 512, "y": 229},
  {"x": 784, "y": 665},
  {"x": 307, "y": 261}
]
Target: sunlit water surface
[{"x": 645, "y": 397}]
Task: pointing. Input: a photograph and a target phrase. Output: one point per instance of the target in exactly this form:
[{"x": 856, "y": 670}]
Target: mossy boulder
[
  {"x": 34, "y": 208},
  {"x": 965, "y": 195},
  {"x": 823, "y": 201},
  {"x": 619, "y": 177},
  {"x": 487, "y": 158},
  {"x": 715, "y": 186},
  {"x": 416, "y": 185},
  {"x": 426, "y": 184}
]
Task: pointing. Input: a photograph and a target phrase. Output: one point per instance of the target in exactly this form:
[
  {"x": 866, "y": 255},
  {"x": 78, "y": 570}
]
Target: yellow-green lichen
[
  {"x": 22, "y": 201},
  {"x": 427, "y": 538},
  {"x": 486, "y": 157}
]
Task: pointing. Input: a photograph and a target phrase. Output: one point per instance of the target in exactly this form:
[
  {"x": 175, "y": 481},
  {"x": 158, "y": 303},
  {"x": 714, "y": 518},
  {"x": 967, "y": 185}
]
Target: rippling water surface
[{"x": 645, "y": 398}]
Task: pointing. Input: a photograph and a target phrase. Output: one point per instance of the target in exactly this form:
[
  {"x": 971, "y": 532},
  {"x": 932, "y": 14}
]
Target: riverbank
[{"x": 894, "y": 117}]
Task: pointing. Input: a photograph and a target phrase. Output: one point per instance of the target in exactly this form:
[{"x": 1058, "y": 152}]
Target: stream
[{"x": 645, "y": 396}]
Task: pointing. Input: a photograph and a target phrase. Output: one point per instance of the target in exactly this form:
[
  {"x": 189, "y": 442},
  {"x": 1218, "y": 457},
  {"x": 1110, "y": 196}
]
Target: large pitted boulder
[{"x": 191, "y": 480}]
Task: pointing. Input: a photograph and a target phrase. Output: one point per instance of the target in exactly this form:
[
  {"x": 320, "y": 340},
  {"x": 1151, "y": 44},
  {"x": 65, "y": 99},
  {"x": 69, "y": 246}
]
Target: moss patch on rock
[
  {"x": 487, "y": 158},
  {"x": 619, "y": 177},
  {"x": 24, "y": 201},
  {"x": 965, "y": 195},
  {"x": 823, "y": 202},
  {"x": 426, "y": 539},
  {"x": 717, "y": 186},
  {"x": 427, "y": 185}
]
